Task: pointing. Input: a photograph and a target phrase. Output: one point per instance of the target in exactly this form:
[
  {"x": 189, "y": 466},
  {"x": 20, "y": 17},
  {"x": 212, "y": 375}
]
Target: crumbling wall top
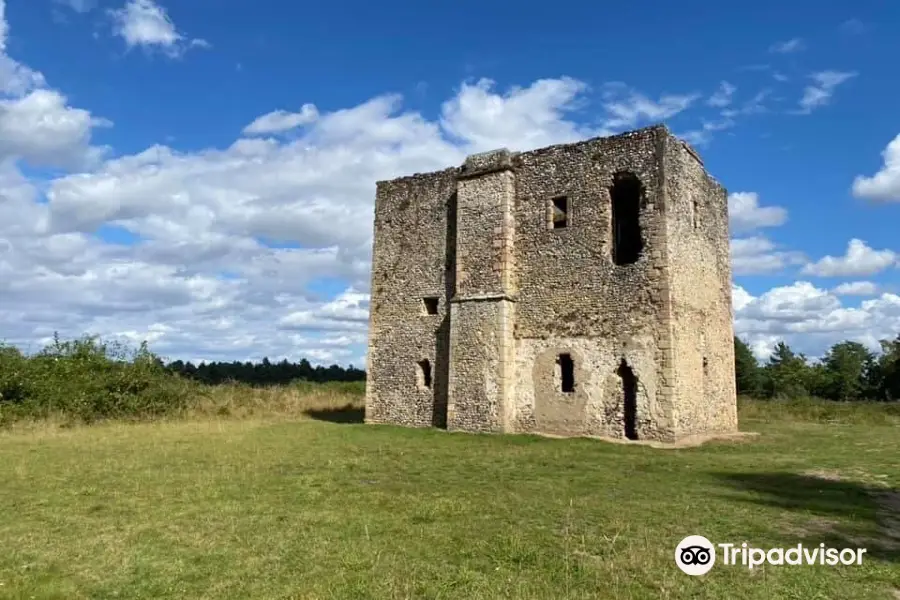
[
  {"x": 487, "y": 162},
  {"x": 503, "y": 159},
  {"x": 691, "y": 151}
]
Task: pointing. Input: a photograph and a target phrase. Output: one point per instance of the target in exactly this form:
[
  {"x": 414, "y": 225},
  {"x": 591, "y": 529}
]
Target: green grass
[{"x": 276, "y": 507}]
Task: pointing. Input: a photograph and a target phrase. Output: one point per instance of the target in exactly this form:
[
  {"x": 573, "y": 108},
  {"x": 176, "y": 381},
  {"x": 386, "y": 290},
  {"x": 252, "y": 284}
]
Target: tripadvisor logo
[{"x": 696, "y": 555}]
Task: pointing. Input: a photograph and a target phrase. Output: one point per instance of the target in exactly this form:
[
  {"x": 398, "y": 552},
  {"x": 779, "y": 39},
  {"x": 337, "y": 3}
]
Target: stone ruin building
[{"x": 578, "y": 289}]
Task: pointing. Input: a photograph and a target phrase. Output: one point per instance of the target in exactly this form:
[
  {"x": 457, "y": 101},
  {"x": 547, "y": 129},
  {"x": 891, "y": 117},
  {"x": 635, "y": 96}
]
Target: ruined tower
[{"x": 579, "y": 289}]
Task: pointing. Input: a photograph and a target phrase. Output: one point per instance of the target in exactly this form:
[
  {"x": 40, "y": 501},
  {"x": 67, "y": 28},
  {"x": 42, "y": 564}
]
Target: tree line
[
  {"x": 848, "y": 372},
  {"x": 264, "y": 373}
]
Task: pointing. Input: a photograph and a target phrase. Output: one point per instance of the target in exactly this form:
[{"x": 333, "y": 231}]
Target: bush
[
  {"x": 87, "y": 380},
  {"x": 13, "y": 376}
]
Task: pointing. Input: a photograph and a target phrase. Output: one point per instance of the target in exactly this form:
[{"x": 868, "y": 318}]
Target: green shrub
[
  {"x": 14, "y": 376},
  {"x": 87, "y": 380}
]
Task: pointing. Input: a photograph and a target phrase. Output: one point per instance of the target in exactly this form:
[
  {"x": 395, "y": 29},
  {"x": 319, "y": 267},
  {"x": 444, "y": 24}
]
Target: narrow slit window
[
  {"x": 424, "y": 374},
  {"x": 430, "y": 304},
  {"x": 560, "y": 210},
  {"x": 629, "y": 400},
  {"x": 695, "y": 213},
  {"x": 566, "y": 373}
]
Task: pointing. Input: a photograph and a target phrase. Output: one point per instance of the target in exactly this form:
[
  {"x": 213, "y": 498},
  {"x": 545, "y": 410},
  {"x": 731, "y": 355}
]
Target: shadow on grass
[
  {"x": 842, "y": 514},
  {"x": 344, "y": 414}
]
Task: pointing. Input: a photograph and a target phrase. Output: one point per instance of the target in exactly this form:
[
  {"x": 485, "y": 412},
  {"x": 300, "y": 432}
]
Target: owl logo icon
[{"x": 695, "y": 555}]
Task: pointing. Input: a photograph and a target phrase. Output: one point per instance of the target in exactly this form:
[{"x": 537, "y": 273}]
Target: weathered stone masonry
[{"x": 579, "y": 289}]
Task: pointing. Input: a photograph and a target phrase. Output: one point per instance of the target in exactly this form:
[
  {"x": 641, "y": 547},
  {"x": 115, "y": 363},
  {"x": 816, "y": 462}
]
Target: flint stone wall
[{"x": 514, "y": 294}]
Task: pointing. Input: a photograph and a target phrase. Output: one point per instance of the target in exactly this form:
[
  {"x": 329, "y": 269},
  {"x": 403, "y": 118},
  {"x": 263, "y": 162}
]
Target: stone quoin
[{"x": 578, "y": 289}]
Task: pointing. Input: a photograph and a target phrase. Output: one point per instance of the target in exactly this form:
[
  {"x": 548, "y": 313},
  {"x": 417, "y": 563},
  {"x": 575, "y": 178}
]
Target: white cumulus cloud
[
  {"x": 758, "y": 255},
  {"x": 745, "y": 213},
  {"x": 40, "y": 127},
  {"x": 859, "y": 260},
  {"x": 480, "y": 119},
  {"x": 146, "y": 24},
  {"x": 885, "y": 184},
  {"x": 811, "y": 319},
  {"x": 856, "y": 288}
]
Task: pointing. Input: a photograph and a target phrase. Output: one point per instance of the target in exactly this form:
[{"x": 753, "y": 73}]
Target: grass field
[{"x": 245, "y": 505}]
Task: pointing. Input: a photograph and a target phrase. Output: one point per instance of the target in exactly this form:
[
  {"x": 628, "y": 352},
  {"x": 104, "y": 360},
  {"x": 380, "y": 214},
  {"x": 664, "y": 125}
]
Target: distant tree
[
  {"x": 884, "y": 375},
  {"x": 265, "y": 372},
  {"x": 817, "y": 380},
  {"x": 846, "y": 367},
  {"x": 748, "y": 374},
  {"x": 786, "y": 373}
]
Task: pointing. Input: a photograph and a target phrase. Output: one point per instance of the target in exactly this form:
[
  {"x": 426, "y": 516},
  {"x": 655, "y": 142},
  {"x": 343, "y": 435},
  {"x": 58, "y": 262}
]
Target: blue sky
[{"x": 201, "y": 174}]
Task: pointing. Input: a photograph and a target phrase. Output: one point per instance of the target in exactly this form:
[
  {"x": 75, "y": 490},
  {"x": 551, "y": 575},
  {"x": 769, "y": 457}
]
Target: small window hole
[
  {"x": 431, "y": 305},
  {"x": 560, "y": 217},
  {"x": 424, "y": 374}
]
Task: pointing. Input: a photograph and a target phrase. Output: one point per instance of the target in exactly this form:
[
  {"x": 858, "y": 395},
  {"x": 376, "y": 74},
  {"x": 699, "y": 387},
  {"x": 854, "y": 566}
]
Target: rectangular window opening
[
  {"x": 567, "y": 373},
  {"x": 560, "y": 208},
  {"x": 431, "y": 305},
  {"x": 626, "y": 196}
]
